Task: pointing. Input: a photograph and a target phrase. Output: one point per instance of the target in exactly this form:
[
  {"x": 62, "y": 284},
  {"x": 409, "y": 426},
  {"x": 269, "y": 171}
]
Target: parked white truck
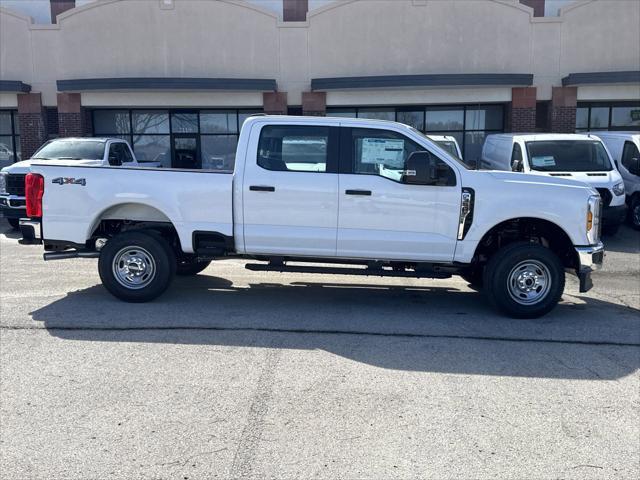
[
  {"x": 83, "y": 151},
  {"x": 324, "y": 195}
]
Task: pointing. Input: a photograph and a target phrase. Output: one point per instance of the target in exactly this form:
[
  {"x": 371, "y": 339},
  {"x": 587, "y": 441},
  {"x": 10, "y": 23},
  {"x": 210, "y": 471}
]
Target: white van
[
  {"x": 579, "y": 157},
  {"x": 624, "y": 148},
  {"x": 448, "y": 143}
]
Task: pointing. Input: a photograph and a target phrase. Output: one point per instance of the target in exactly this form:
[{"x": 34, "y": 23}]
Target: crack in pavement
[{"x": 330, "y": 332}]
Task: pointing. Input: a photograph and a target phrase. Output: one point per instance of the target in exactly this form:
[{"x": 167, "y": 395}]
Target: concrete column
[
  {"x": 33, "y": 123},
  {"x": 275, "y": 103},
  {"x": 522, "y": 114},
  {"x": 564, "y": 101},
  {"x": 314, "y": 103},
  {"x": 71, "y": 117}
]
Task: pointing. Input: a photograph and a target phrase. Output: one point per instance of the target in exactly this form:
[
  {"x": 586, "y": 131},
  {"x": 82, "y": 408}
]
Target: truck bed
[{"x": 76, "y": 198}]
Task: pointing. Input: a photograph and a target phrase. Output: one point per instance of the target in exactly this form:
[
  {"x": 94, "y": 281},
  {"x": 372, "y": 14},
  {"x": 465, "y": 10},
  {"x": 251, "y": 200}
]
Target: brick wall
[
  {"x": 33, "y": 123},
  {"x": 71, "y": 115},
  {"x": 564, "y": 101},
  {"x": 51, "y": 114},
  {"x": 522, "y": 111}
]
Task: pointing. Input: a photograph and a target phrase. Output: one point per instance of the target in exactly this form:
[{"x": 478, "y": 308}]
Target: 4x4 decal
[{"x": 69, "y": 181}]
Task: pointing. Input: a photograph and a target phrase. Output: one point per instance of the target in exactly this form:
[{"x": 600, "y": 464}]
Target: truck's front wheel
[
  {"x": 524, "y": 280},
  {"x": 137, "y": 266}
]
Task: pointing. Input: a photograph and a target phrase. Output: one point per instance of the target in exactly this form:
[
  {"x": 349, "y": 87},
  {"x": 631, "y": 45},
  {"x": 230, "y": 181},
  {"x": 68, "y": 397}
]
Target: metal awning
[
  {"x": 14, "y": 86},
  {"x": 166, "y": 83},
  {"x": 436, "y": 80},
  {"x": 632, "y": 76}
]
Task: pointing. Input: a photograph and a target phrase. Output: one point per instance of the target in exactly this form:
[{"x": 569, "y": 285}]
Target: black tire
[
  {"x": 187, "y": 268},
  {"x": 523, "y": 262},
  {"x": 134, "y": 249},
  {"x": 611, "y": 230},
  {"x": 634, "y": 212},
  {"x": 474, "y": 277},
  {"x": 14, "y": 222}
]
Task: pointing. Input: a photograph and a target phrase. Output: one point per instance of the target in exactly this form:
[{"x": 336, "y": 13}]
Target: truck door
[
  {"x": 290, "y": 191},
  {"x": 382, "y": 216}
]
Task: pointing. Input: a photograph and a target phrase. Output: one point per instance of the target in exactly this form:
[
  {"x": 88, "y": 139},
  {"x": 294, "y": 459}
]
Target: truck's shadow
[{"x": 396, "y": 327}]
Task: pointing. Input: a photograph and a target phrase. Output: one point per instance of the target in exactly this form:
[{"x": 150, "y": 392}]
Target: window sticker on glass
[
  {"x": 389, "y": 152},
  {"x": 545, "y": 161}
]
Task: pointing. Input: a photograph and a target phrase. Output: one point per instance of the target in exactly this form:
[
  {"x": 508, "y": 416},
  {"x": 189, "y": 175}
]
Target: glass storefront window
[
  {"x": 377, "y": 113},
  {"x": 184, "y": 122},
  {"x": 5, "y": 123},
  {"x": 484, "y": 118},
  {"x": 414, "y": 119},
  {"x": 443, "y": 119},
  {"x": 110, "y": 122},
  {"x": 218, "y": 122},
  {"x": 243, "y": 115},
  {"x": 582, "y": 118},
  {"x": 218, "y": 151},
  {"x": 153, "y": 148},
  {"x": 625, "y": 116},
  {"x": 341, "y": 112},
  {"x": 7, "y": 155},
  {"x": 150, "y": 121},
  {"x": 599, "y": 117},
  {"x": 473, "y": 142}
]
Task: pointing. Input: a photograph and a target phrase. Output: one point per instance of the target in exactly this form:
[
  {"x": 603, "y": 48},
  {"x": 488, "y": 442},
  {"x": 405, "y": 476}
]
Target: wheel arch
[{"x": 533, "y": 229}]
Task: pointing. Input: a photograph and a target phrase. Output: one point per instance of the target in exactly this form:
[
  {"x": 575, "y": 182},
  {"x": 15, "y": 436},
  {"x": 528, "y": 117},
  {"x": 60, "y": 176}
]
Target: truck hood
[
  {"x": 24, "y": 166},
  {"x": 595, "y": 179},
  {"x": 526, "y": 178}
]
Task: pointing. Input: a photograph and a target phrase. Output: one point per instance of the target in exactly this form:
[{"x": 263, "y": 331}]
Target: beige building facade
[{"x": 167, "y": 74}]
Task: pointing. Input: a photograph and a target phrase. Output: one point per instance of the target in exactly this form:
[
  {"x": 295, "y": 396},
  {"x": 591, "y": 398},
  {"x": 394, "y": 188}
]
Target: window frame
[
  {"x": 15, "y": 137},
  {"x": 609, "y": 127},
  {"x": 347, "y": 157},
  {"x": 333, "y": 148}
]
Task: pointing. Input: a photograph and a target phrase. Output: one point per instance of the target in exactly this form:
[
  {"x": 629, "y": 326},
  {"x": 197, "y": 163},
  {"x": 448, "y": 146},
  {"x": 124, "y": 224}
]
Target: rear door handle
[
  {"x": 358, "y": 192},
  {"x": 261, "y": 188}
]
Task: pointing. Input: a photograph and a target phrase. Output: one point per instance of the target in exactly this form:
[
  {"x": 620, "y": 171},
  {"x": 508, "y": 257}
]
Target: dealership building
[{"x": 178, "y": 77}]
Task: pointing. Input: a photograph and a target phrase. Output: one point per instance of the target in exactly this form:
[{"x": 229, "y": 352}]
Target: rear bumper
[
  {"x": 31, "y": 231},
  {"x": 591, "y": 259},
  {"x": 614, "y": 215}
]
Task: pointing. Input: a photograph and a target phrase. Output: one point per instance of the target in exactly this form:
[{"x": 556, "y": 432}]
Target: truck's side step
[{"x": 365, "y": 271}]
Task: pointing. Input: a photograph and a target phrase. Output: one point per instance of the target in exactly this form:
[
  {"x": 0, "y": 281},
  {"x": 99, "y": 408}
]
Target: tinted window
[
  {"x": 109, "y": 122},
  {"x": 385, "y": 153},
  {"x": 118, "y": 154},
  {"x": 568, "y": 156},
  {"x": 630, "y": 151},
  {"x": 71, "y": 150},
  {"x": 150, "y": 121},
  {"x": 293, "y": 148}
]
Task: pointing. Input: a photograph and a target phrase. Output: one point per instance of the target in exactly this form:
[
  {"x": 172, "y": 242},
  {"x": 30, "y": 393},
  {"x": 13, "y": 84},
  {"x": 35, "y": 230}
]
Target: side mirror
[
  {"x": 422, "y": 168},
  {"x": 516, "y": 165},
  {"x": 634, "y": 166}
]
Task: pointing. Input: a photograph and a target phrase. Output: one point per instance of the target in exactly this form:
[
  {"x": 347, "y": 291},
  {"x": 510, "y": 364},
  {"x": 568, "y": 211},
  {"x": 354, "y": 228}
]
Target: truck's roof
[
  {"x": 320, "y": 120},
  {"x": 530, "y": 137}
]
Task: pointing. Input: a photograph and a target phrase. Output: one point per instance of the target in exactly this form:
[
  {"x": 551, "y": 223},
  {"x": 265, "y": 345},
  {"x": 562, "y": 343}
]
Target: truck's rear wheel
[
  {"x": 187, "y": 268},
  {"x": 634, "y": 212},
  {"x": 524, "y": 280},
  {"x": 137, "y": 266}
]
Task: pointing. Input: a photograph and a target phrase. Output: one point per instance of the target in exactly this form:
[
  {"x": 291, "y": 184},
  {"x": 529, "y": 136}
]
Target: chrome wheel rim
[
  {"x": 529, "y": 282},
  {"x": 134, "y": 267}
]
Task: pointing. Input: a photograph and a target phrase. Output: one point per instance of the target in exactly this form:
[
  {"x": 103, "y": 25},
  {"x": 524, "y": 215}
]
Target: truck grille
[
  {"x": 605, "y": 194},
  {"x": 15, "y": 184}
]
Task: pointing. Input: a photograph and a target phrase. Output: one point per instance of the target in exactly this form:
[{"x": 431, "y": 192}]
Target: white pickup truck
[
  {"x": 86, "y": 151},
  {"x": 323, "y": 195}
]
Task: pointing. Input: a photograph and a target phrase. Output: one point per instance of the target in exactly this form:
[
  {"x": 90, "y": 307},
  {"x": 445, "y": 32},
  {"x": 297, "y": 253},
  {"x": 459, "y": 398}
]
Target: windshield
[
  {"x": 568, "y": 156},
  {"x": 453, "y": 155},
  {"x": 449, "y": 146},
  {"x": 71, "y": 150}
]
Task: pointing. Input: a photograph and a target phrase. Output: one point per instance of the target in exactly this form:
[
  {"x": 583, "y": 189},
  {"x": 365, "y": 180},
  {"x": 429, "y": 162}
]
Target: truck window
[
  {"x": 568, "y": 156},
  {"x": 385, "y": 153},
  {"x": 293, "y": 148},
  {"x": 516, "y": 158},
  {"x": 630, "y": 151}
]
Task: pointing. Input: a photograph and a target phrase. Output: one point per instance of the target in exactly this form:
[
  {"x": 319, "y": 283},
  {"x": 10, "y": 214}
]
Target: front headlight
[
  {"x": 3, "y": 183},
  {"x": 618, "y": 188},
  {"x": 594, "y": 212}
]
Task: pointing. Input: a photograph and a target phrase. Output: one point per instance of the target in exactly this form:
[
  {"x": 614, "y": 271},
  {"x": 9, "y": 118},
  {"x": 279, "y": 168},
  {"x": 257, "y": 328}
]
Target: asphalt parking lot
[{"x": 238, "y": 374}]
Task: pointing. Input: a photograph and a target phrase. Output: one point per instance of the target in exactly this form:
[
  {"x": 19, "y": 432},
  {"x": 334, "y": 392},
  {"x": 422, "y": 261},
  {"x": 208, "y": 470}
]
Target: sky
[{"x": 41, "y": 13}]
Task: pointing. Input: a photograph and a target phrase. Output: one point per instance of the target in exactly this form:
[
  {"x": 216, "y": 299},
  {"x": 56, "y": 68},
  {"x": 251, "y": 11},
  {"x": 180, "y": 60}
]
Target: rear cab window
[{"x": 295, "y": 148}]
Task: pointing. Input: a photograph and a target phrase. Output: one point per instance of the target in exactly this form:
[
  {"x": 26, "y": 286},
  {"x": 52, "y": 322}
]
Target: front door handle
[
  {"x": 262, "y": 188},
  {"x": 358, "y": 192}
]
